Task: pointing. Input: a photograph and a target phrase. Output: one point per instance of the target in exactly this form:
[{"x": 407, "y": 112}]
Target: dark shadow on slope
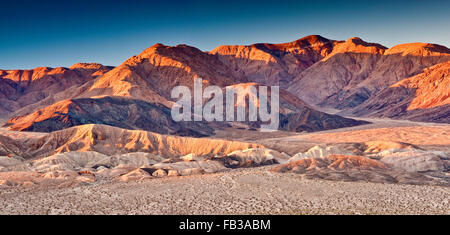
[
  {"x": 114, "y": 111},
  {"x": 32, "y": 86},
  {"x": 347, "y": 80},
  {"x": 393, "y": 102}
]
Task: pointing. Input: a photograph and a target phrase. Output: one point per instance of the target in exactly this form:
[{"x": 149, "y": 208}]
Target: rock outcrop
[
  {"x": 353, "y": 168},
  {"x": 415, "y": 160},
  {"x": 321, "y": 152},
  {"x": 252, "y": 157}
]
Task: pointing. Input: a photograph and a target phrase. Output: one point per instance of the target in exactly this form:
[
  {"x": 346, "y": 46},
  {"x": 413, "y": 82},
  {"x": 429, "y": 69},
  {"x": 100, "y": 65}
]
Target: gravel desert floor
[{"x": 240, "y": 191}]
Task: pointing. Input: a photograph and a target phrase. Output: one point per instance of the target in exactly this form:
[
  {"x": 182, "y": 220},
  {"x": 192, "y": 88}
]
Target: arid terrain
[
  {"x": 255, "y": 190},
  {"x": 240, "y": 191},
  {"x": 364, "y": 129}
]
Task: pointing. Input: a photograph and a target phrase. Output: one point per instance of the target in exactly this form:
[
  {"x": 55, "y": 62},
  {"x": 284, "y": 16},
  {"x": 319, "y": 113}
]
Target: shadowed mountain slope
[
  {"x": 356, "y": 70},
  {"x": 423, "y": 97},
  {"x": 115, "y": 111},
  {"x": 19, "y": 88}
]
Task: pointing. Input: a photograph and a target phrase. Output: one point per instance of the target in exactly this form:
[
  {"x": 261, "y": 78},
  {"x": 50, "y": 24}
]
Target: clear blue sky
[{"x": 61, "y": 33}]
